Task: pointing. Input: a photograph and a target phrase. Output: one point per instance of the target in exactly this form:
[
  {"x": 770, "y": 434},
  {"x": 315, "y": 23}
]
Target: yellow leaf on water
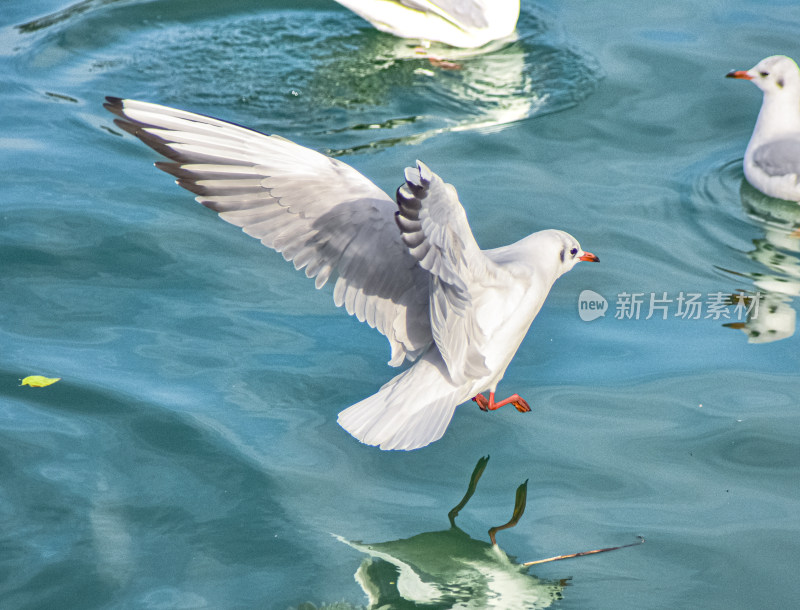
[{"x": 37, "y": 381}]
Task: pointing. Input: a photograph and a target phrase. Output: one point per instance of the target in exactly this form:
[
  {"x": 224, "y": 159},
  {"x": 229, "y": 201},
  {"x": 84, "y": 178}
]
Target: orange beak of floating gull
[
  {"x": 588, "y": 256},
  {"x": 739, "y": 74}
]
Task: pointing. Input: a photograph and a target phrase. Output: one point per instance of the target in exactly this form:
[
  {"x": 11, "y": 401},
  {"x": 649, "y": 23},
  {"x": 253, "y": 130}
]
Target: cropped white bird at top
[
  {"x": 410, "y": 268},
  {"x": 772, "y": 157},
  {"x": 458, "y": 23}
]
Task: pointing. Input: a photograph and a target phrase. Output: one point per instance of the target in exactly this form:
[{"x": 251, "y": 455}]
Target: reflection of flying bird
[
  {"x": 415, "y": 273},
  {"x": 772, "y": 158},
  {"x": 450, "y": 569},
  {"x": 458, "y": 23}
]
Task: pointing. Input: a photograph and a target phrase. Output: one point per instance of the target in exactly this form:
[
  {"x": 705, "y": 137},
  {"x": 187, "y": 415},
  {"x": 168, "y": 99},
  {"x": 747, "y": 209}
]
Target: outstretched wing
[
  {"x": 779, "y": 158},
  {"x": 318, "y": 212},
  {"x": 435, "y": 229}
]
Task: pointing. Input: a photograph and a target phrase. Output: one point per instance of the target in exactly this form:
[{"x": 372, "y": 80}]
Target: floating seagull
[
  {"x": 412, "y": 269},
  {"x": 772, "y": 158},
  {"x": 458, "y": 23}
]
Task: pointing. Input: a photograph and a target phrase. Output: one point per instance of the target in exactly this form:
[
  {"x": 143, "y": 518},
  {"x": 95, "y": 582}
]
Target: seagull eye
[
  {"x": 764, "y": 74},
  {"x": 574, "y": 251}
]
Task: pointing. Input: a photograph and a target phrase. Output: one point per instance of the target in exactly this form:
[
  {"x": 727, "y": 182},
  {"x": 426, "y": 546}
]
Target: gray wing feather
[
  {"x": 466, "y": 14},
  {"x": 318, "y": 212},
  {"x": 779, "y": 158},
  {"x": 434, "y": 227}
]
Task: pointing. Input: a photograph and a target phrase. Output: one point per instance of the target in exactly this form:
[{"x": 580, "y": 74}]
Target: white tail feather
[{"x": 409, "y": 412}]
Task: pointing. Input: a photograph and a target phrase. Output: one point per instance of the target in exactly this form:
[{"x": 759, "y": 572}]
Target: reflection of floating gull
[
  {"x": 490, "y": 90},
  {"x": 780, "y": 221},
  {"x": 459, "y": 23},
  {"x": 417, "y": 274},
  {"x": 772, "y": 158},
  {"x": 773, "y": 318},
  {"x": 779, "y": 218},
  {"x": 504, "y": 81}
]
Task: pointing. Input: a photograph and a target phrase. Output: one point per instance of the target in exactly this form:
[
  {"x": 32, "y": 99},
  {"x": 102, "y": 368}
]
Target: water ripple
[{"x": 333, "y": 81}]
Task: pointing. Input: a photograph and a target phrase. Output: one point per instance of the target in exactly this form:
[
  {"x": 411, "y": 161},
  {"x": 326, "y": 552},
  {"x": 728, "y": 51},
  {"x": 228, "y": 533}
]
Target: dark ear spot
[
  {"x": 563, "y": 251},
  {"x": 780, "y": 83}
]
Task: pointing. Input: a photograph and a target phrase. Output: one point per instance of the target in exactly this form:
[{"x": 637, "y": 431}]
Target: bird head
[
  {"x": 773, "y": 74},
  {"x": 562, "y": 248}
]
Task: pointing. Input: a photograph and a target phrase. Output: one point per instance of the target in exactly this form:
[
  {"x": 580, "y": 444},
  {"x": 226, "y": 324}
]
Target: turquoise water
[{"x": 190, "y": 456}]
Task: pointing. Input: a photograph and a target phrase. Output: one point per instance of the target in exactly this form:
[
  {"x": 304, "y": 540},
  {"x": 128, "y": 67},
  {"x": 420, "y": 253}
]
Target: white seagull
[
  {"x": 410, "y": 268},
  {"x": 772, "y": 158},
  {"x": 458, "y": 23}
]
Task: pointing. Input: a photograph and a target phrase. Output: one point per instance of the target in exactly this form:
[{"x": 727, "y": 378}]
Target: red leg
[
  {"x": 444, "y": 64},
  {"x": 490, "y": 405},
  {"x": 483, "y": 404},
  {"x": 437, "y": 62}
]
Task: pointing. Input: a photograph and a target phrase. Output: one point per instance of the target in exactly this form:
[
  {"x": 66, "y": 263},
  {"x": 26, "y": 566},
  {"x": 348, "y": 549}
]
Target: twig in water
[{"x": 560, "y": 557}]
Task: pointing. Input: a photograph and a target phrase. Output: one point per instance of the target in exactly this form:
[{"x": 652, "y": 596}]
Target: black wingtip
[
  {"x": 127, "y": 126},
  {"x": 115, "y": 105},
  {"x": 415, "y": 181},
  {"x": 425, "y": 174},
  {"x": 408, "y": 201},
  {"x": 172, "y": 168}
]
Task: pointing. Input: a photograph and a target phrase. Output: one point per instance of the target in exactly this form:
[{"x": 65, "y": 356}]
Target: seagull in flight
[
  {"x": 409, "y": 267},
  {"x": 772, "y": 158},
  {"x": 458, "y": 23}
]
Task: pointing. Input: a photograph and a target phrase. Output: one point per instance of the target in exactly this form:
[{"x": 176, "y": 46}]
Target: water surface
[{"x": 190, "y": 457}]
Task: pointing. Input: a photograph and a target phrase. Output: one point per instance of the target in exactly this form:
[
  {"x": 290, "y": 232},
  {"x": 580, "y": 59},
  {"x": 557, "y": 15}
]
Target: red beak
[
  {"x": 739, "y": 74},
  {"x": 588, "y": 256}
]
